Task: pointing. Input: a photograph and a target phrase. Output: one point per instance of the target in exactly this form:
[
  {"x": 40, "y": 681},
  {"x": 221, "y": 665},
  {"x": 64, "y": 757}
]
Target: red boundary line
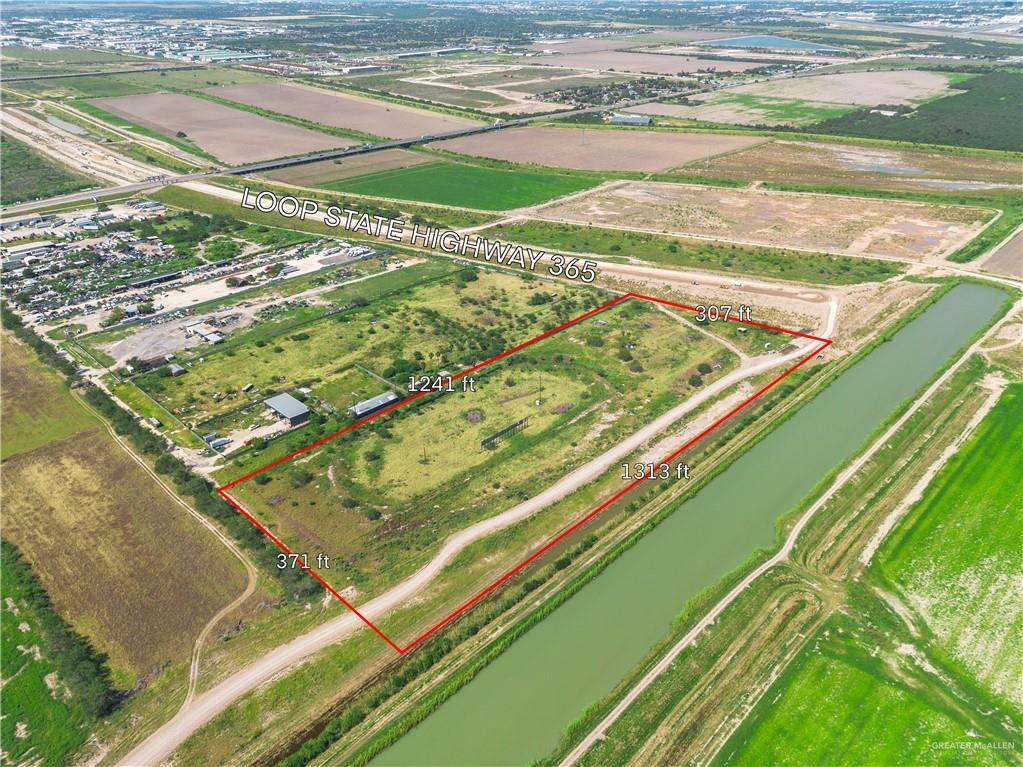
[{"x": 825, "y": 343}]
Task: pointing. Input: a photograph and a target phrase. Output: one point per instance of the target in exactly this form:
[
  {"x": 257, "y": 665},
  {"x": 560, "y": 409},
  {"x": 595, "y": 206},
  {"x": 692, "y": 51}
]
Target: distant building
[
  {"x": 372, "y": 405},
  {"x": 630, "y": 119},
  {"x": 33, "y": 220},
  {"x": 210, "y": 336},
  {"x": 19, "y": 255},
  {"x": 287, "y": 408},
  {"x": 436, "y": 52},
  {"x": 214, "y": 55}
]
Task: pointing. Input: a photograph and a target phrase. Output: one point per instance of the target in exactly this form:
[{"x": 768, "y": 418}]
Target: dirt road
[
  {"x": 82, "y": 155},
  {"x": 598, "y": 732},
  {"x": 251, "y": 574},
  {"x": 200, "y": 710}
]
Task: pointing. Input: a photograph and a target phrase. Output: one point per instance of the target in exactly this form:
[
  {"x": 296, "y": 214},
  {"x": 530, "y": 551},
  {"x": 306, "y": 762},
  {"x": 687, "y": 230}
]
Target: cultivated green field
[
  {"x": 505, "y": 76},
  {"x": 782, "y": 110},
  {"x": 27, "y": 175},
  {"x": 178, "y": 197},
  {"x": 697, "y": 254},
  {"x": 837, "y": 709},
  {"x": 939, "y": 685},
  {"x": 468, "y": 186},
  {"x": 957, "y": 559}
]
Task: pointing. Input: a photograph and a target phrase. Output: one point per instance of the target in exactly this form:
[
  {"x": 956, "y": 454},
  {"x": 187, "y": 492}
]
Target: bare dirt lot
[
  {"x": 229, "y": 134},
  {"x": 805, "y": 162},
  {"x": 332, "y": 170},
  {"x": 1008, "y": 259},
  {"x": 857, "y": 88},
  {"x": 651, "y": 63},
  {"x": 805, "y": 100},
  {"x": 911, "y": 231},
  {"x": 342, "y": 110},
  {"x": 597, "y": 149}
]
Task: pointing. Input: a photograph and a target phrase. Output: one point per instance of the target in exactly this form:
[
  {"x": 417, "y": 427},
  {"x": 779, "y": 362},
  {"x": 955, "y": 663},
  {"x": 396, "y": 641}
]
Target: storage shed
[{"x": 287, "y": 408}]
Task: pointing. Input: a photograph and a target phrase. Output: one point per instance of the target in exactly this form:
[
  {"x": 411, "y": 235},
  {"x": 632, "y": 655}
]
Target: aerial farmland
[
  {"x": 591, "y": 149},
  {"x": 230, "y": 135},
  {"x": 343, "y": 110}
]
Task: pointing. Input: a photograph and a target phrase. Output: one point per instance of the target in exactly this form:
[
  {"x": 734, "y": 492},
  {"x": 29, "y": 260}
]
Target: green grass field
[
  {"x": 837, "y": 710},
  {"x": 178, "y": 197},
  {"x": 39, "y": 726},
  {"x": 786, "y": 111},
  {"x": 468, "y": 186},
  {"x": 866, "y": 689},
  {"x": 27, "y": 175},
  {"x": 698, "y": 254},
  {"x": 68, "y": 56},
  {"x": 505, "y": 76},
  {"x": 100, "y": 86},
  {"x": 957, "y": 557}
]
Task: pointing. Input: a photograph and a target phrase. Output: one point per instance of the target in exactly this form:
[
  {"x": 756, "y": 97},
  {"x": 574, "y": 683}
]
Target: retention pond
[{"x": 517, "y": 708}]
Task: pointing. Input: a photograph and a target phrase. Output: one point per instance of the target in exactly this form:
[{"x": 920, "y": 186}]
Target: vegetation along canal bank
[{"x": 576, "y": 655}]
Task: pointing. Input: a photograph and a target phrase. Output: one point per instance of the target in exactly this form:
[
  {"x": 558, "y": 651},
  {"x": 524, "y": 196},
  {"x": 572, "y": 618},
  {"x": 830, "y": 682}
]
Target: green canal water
[{"x": 517, "y": 708}]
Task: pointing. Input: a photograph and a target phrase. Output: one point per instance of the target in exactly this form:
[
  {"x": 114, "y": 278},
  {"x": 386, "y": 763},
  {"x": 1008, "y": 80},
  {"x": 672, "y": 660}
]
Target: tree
[
  {"x": 704, "y": 368},
  {"x": 695, "y": 380},
  {"x": 300, "y": 477}
]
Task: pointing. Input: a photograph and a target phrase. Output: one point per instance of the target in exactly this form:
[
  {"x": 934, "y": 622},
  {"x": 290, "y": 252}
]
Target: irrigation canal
[{"x": 517, "y": 708}]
